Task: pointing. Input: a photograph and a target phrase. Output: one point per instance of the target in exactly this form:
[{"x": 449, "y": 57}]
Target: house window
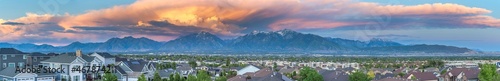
[
  {"x": 77, "y": 78},
  {"x": 21, "y": 64},
  {"x": 34, "y": 59},
  {"x": 24, "y": 56},
  {"x": 4, "y": 57},
  {"x": 12, "y": 64},
  {"x": 12, "y": 55},
  {"x": 4, "y": 65}
]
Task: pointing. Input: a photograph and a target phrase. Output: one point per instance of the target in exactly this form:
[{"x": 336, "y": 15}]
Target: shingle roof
[
  {"x": 9, "y": 72},
  {"x": 105, "y": 54},
  {"x": 264, "y": 74},
  {"x": 472, "y": 74},
  {"x": 184, "y": 66},
  {"x": 333, "y": 75},
  {"x": 64, "y": 58},
  {"x": 10, "y": 51},
  {"x": 469, "y": 72},
  {"x": 136, "y": 65},
  {"x": 237, "y": 78},
  {"x": 393, "y": 79},
  {"x": 88, "y": 58},
  {"x": 38, "y": 54},
  {"x": 379, "y": 76},
  {"x": 423, "y": 75},
  {"x": 117, "y": 68},
  {"x": 118, "y": 59},
  {"x": 288, "y": 69},
  {"x": 166, "y": 72},
  {"x": 68, "y": 58}
]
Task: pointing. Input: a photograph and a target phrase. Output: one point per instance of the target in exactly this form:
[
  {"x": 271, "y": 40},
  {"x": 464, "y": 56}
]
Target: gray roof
[
  {"x": 184, "y": 67},
  {"x": 88, "y": 58},
  {"x": 394, "y": 79},
  {"x": 135, "y": 65},
  {"x": 423, "y": 75},
  {"x": 10, "y": 51},
  {"x": 68, "y": 58},
  {"x": 9, "y": 72},
  {"x": 379, "y": 76},
  {"x": 288, "y": 69},
  {"x": 264, "y": 74},
  {"x": 117, "y": 68},
  {"x": 64, "y": 58},
  {"x": 333, "y": 75},
  {"x": 105, "y": 55},
  {"x": 37, "y": 54},
  {"x": 166, "y": 72}
]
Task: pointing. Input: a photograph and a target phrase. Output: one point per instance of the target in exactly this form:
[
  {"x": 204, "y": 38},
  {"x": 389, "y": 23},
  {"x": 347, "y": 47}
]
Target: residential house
[
  {"x": 10, "y": 57},
  {"x": 165, "y": 73},
  {"x": 431, "y": 69},
  {"x": 461, "y": 74},
  {"x": 67, "y": 61},
  {"x": 131, "y": 70},
  {"x": 394, "y": 79},
  {"x": 185, "y": 69},
  {"x": 422, "y": 76},
  {"x": 379, "y": 76},
  {"x": 34, "y": 59},
  {"x": 248, "y": 68},
  {"x": 106, "y": 57},
  {"x": 334, "y": 75},
  {"x": 265, "y": 74},
  {"x": 288, "y": 69},
  {"x": 9, "y": 74}
]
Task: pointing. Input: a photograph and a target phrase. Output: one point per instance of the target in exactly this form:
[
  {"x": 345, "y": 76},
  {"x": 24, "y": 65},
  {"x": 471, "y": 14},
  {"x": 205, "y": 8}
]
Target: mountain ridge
[{"x": 273, "y": 41}]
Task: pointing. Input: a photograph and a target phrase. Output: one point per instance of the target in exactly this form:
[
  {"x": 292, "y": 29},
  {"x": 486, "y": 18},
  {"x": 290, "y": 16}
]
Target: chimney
[{"x": 79, "y": 53}]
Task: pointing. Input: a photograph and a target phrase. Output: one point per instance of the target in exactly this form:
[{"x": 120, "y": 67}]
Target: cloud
[
  {"x": 12, "y": 23},
  {"x": 219, "y": 17},
  {"x": 353, "y": 14}
]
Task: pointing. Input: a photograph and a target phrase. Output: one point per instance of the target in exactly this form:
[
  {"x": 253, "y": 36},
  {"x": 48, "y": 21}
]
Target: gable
[
  {"x": 79, "y": 60},
  {"x": 124, "y": 66},
  {"x": 97, "y": 55}
]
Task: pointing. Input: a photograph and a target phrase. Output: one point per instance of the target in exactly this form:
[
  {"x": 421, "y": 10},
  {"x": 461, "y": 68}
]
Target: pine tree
[
  {"x": 110, "y": 77},
  {"x": 142, "y": 78},
  {"x": 157, "y": 77}
]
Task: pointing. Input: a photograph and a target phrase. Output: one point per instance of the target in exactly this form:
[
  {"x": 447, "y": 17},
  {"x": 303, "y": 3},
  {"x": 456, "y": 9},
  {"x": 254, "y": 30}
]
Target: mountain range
[{"x": 285, "y": 41}]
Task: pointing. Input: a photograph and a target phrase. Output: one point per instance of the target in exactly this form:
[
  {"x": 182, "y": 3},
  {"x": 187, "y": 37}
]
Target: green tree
[
  {"x": 157, "y": 77},
  {"x": 171, "y": 77},
  {"x": 203, "y": 76},
  {"x": 413, "y": 78},
  {"x": 177, "y": 77},
  {"x": 371, "y": 74},
  {"x": 275, "y": 66},
  {"x": 309, "y": 74},
  {"x": 191, "y": 78},
  {"x": 193, "y": 63},
  {"x": 221, "y": 78},
  {"x": 228, "y": 62},
  {"x": 142, "y": 78},
  {"x": 401, "y": 74},
  {"x": 294, "y": 73},
  {"x": 358, "y": 76},
  {"x": 110, "y": 77},
  {"x": 488, "y": 73}
]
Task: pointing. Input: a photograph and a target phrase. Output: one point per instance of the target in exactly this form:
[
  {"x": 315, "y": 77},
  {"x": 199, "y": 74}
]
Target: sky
[{"x": 462, "y": 23}]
